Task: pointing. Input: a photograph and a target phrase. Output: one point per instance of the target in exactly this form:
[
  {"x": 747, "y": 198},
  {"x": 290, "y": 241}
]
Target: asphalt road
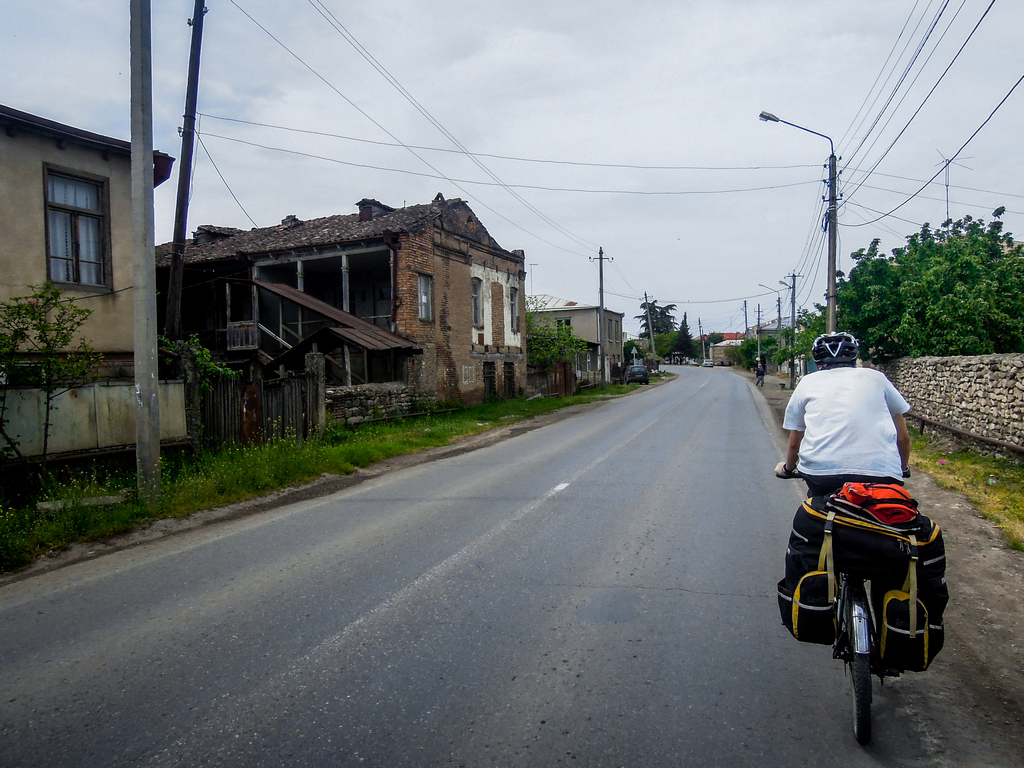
[{"x": 600, "y": 592}]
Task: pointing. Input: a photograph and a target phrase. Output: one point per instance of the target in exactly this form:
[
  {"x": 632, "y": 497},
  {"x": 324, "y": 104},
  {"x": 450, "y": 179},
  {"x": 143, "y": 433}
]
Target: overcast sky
[{"x": 705, "y": 202}]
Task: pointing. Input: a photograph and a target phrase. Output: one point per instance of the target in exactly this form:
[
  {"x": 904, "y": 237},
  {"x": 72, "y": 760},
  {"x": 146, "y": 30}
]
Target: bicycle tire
[{"x": 860, "y": 674}]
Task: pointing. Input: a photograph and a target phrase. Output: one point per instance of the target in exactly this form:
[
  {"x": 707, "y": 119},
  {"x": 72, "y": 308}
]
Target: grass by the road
[
  {"x": 995, "y": 486},
  {"x": 194, "y": 482}
]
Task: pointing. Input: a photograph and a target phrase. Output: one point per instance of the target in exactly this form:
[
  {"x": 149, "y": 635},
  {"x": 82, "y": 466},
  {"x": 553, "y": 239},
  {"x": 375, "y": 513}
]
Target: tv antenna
[{"x": 947, "y": 162}]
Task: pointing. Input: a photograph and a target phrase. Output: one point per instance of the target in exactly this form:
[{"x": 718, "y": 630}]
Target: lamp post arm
[{"x": 832, "y": 149}]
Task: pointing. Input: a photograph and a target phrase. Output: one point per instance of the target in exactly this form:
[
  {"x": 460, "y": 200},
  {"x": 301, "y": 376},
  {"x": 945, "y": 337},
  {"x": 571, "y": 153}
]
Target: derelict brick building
[{"x": 421, "y": 295}]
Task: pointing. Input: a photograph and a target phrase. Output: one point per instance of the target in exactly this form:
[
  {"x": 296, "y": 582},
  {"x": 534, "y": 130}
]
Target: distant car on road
[
  {"x": 639, "y": 374},
  {"x": 709, "y": 363}
]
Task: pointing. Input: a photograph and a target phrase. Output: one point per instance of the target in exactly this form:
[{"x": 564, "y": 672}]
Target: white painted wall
[{"x": 487, "y": 276}]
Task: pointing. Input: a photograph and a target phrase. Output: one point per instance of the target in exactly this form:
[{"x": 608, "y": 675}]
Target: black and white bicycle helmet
[{"x": 835, "y": 349}]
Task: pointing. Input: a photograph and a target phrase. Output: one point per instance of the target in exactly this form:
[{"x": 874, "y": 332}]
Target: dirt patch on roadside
[{"x": 976, "y": 685}]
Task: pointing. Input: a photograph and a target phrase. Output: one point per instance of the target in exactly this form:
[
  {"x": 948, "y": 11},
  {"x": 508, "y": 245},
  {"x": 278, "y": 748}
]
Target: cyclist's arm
[
  {"x": 902, "y": 439},
  {"x": 796, "y": 436}
]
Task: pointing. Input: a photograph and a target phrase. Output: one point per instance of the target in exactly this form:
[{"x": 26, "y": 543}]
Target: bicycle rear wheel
[{"x": 860, "y": 674}]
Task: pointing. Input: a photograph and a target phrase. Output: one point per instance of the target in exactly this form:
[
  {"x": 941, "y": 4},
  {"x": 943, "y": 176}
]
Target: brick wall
[
  {"x": 453, "y": 353},
  {"x": 497, "y": 314},
  {"x": 982, "y": 394}
]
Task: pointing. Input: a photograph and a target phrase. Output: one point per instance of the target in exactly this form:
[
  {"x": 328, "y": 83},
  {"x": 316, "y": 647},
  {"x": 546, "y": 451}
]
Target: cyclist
[{"x": 845, "y": 423}]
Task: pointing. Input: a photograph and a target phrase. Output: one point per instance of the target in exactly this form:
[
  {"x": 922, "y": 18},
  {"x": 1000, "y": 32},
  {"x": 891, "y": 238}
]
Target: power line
[
  {"x": 514, "y": 158},
  {"x": 878, "y": 77},
  {"x": 920, "y": 71},
  {"x": 386, "y": 131},
  {"x": 954, "y": 157},
  {"x": 928, "y": 96},
  {"x": 902, "y": 78},
  {"x": 226, "y": 185},
  {"x": 340, "y": 28},
  {"x": 872, "y": 210},
  {"x": 505, "y": 184}
]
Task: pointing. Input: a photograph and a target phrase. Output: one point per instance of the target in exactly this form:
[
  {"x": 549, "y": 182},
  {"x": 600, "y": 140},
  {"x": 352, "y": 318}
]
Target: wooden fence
[{"x": 292, "y": 406}]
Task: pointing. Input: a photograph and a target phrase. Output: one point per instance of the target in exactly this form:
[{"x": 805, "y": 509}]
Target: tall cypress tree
[{"x": 684, "y": 341}]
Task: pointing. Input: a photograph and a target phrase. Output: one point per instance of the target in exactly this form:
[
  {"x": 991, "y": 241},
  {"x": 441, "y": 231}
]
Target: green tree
[
  {"x": 663, "y": 343},
  {"x": 631, "y": 349},
  {"x": 662, "y": 318},
  {"x": 548, "y": 342},
  {"x": 956, "y": 290},
  {"x": 683, "y": 344},
  {"x": 39, "y": 351},
  {"x": 747, "y": 350}
]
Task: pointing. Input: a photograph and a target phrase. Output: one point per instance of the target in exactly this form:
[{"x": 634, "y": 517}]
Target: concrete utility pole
[
  {"x": 831, "y": 298},
  {"x": 147, "y": 394},
  {"x": 600, "y": 312},
  {"x": 758, "y": 334},
  {"x": 746, "y": 325},
  {"x": 703, "y": 349},
  {"x": 172, "y": 321},
  {"x": 792, "y": 346}
]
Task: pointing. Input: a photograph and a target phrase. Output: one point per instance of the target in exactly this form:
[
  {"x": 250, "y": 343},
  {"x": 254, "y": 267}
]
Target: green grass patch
[
  {"x": 994, "y": 485},
  {"x": 208, "y": 479}
]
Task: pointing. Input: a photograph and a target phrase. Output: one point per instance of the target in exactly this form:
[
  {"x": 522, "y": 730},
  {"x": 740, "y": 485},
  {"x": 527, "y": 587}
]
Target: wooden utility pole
[
  {"x": 650, "y": 328},
  {"x": 172, "y": 320},
  {"x": 147, "y": 395}
]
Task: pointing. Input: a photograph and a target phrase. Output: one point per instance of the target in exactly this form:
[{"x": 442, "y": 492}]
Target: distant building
[
  {"x": 584, "y": 321},
  {"x": 719, "y": 351}
]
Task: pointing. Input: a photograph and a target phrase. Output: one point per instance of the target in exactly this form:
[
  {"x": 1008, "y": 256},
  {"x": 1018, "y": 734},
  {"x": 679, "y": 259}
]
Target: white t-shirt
[{"x": 846, "y": 417}]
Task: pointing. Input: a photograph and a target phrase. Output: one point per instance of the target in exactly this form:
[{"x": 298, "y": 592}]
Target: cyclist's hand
[
  {"x": 906, "y": 472},
  {"x": 783, "y": 472}
]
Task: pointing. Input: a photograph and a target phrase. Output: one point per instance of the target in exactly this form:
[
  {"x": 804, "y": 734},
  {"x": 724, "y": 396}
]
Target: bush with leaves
[
  {"x": 956, "y": 290},
  {"x": 38, "y": 350},
  {"x": 548, "y": 342},
  {"x": 207, "y": 369}
]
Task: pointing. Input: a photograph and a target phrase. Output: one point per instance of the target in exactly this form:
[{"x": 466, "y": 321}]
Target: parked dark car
[{"x": 639, "y": 374}]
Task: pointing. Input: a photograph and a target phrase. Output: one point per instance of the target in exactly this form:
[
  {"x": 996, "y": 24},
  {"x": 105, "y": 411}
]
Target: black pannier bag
[
  {"x": 910, "y": 637},
  {"x": 808, "y": 606},
  {"x": 860, "y": 545}
]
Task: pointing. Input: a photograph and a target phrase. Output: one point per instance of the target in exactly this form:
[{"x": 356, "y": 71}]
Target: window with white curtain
[
  {"x": 425, "y": 289},
  {"x": 76, "y": 227}
]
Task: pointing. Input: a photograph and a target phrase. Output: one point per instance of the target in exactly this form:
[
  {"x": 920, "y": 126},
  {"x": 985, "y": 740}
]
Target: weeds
[
  {"x": 994, "y": 485},
  {"x": 214, "y": 478}
]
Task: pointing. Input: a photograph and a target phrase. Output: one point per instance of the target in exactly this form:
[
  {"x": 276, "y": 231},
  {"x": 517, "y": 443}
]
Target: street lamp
[{"x": 833, "y": 223}]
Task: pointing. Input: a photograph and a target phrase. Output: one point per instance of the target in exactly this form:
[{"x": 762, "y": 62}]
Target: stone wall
[
  {"x": 363, "y": 402},
  {"x": 982, "y": 394}
]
